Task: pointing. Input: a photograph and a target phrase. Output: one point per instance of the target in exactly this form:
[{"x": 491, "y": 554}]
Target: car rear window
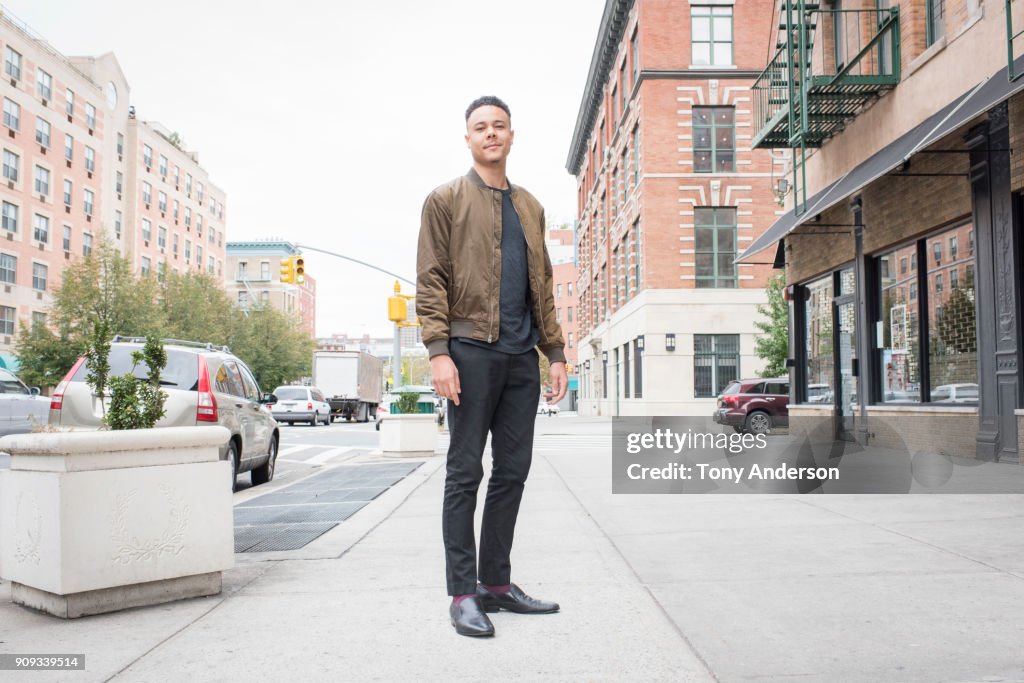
[
  {"x": 733, "y": 388},
  {"x": 291, "y": 393},
  {"x": 182, "y": 371}
]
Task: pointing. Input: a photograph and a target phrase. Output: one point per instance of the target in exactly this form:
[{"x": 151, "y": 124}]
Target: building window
[
  {"x": 243, "y": 299},
  {"x": 175, "y": 206},
  {"x": 44, "y": 84},
  {"x": 174, "y": 244},
  {"x": 117, "y": 224},
  {"x": 90, "y": 159},
  {"x": 10, "y": 217},
  {"x": 147, "y": 193},
  {"x": 90, "y": 116},
  {"x": 119, "y": 182},
  {"x": 199, "y": 224},
  {"x": 558, "y": 291},
  {"x": 38, "y": 319},
  {"x": 716, "y": 362},
  {"x": 638, "y": 368},
  {"x": 87, "y": 205},
  {"x": 147, "y": 156},
  {"x": 188, "y": 184},
  {"x": 120, "y": 144},
  {"x": 39, "y": 273},
  {"x": 199, "y": 193},
  {"x": 569, "y": 341},
  {"x": 558, "y": 314},
  {"x": 43, "y": 132},
  {"x": 818, "y": 347},
  {"x": 625, "y": 371},
  {"x": 67, "y": 238},
  {"x": 636, "y": 156},
  {"x": 935, "y": 21},
  {"x": 145, "y": 266},
  {"x": 69, "y": 147},
  {"x": 711, "y": 35},
  {"x": 210, "y": 265},
  {"x": 12, "y": 114},
  {"x": 147, "y": 230},
  {"x": 68, "y": 189},
  {"x": 69, "y": 102},
  {"x": 264, "y": 270},
  {"x": 8, "y": 269},
  {"x": 11, "y": 166},
  {"x": 12, "y": 63},
  {"x": 569, "y": 314},
  {"x": 42, "y": 184},
  {"x": 900, "y": 374},
  {"x": 86, "y": 244},
  {"x": 162, "y": 201},
  {"x": 8, "y": 317},
  {"x": 954, "y": 278},
  {"x": 714, "y": 139},
  {"x": 635, "y": 56},
  {"x": 715, "y": 234},
  {"x": 188, "y": 216},
  {"x": 937, "y": 252},
  {"x": 953, "y": 243},
  {"x": 161, "y": 237},
  {"x": 163, "y": 167},
  {"x": 199, "y": 256},
  {"x": 188, "y": 251},
  {"x": 938, "y": 283},
  {"x": 903, "y": 265},
  {"x": 41, "y": 229}
]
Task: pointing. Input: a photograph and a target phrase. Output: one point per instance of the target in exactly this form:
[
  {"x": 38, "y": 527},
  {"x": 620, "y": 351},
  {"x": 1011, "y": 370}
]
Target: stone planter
[
  {"x": 99, "y": 521},
  {"x": 409, "y": 435}
]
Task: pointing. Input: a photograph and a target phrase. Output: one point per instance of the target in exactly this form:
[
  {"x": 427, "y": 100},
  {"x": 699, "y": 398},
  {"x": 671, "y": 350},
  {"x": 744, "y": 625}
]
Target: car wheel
[
  {"x": 758, "y": 422},
  {"x": 233, "y": 461},
  {"x": 316, "y": 420},
  {"x": 265, "y": 472},
  {"x": 377, "y": 425}
]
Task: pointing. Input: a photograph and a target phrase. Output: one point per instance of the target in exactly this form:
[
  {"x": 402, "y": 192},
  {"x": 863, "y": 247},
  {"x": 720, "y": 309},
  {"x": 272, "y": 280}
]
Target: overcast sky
[{"x": 328, "y": 122}]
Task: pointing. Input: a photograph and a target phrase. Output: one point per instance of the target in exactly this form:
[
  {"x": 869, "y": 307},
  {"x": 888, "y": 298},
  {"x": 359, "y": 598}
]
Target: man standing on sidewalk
[{"x": 484, "y": 299}]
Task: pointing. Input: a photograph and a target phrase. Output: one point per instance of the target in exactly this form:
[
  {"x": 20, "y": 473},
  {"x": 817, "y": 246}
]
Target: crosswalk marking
[{"x": 328, "y": 455}]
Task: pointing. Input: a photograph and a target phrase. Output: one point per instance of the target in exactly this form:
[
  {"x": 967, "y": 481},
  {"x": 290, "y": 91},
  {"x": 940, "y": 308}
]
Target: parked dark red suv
[{"x": 754, "y": 405}]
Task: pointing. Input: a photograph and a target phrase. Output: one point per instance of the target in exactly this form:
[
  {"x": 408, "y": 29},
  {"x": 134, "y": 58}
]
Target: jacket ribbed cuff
[
  {"x": 438, "y": 347},
  {"x": 555, "y": 354}
]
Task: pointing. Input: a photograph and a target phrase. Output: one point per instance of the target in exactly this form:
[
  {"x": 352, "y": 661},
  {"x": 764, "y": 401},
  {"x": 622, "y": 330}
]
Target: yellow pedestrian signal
[
  {"x": 299, "y": 269},
  {"x": 288, "y": 269},
  {"x": 398, "y": 309}
]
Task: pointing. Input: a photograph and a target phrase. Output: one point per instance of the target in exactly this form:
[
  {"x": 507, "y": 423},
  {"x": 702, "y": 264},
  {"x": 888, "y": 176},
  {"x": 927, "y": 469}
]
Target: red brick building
[
  {"x": 669, "y": 192},
  {"x": 562, "y": 251}
]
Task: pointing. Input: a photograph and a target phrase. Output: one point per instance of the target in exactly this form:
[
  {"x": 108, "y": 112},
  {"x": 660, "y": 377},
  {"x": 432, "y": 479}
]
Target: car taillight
[
  {"x": 207, "y": 408},
  {"x": 57, "y": 399},
  {"x": 309, "y": 406},
  {"x": 730, "y": 400}
]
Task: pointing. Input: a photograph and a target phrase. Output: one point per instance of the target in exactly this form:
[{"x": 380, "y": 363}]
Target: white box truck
[{"x": 350, "y": 381}]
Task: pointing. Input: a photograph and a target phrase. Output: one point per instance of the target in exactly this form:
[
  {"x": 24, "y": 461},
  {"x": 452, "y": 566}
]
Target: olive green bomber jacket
[{"x": 458, "y": 266}]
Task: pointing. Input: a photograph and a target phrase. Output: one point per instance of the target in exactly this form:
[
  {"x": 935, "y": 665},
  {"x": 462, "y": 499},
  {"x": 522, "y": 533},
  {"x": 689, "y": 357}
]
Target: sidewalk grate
[{"x": 290, "y": 518}]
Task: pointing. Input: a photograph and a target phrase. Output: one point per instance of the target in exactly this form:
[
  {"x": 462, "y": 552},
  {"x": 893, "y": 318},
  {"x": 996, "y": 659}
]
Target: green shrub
[{"x": 407, "y": 401}]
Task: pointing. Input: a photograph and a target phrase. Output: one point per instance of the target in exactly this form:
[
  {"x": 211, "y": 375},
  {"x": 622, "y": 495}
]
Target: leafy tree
[
  {"x": 774, "y": 345},
  {"x": 195, "y": 308},
  {"x": 137, "y": 403},
  {"x": 273, "y": 345},
  {"x": 45, "y": 357}
]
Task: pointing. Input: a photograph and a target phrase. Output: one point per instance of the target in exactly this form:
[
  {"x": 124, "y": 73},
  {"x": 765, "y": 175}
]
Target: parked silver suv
[{"x": 205, "y": 385}]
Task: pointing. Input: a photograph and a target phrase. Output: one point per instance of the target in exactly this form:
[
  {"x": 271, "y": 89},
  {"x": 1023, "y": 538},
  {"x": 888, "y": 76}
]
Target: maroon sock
[
  {"x": 457, "y": 599},
  {"x": 499, "y": 589}
]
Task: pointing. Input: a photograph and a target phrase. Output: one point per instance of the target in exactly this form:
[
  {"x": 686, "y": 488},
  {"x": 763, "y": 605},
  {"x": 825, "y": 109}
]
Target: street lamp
[
  {"x": 640, "y": 343},
  {"x": 604, "y": 356},
  {"x": 670, "y": 341}
]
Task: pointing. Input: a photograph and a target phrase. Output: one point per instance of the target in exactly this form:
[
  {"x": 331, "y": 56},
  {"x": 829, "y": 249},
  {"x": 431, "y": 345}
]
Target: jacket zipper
[
  {"x": 490, "y": 309},
  {"x": 529, "y": 271}
]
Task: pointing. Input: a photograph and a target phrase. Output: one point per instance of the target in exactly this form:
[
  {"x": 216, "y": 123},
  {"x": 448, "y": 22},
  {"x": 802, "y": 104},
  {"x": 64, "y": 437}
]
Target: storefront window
[
  {"x": 952, "y": 333},
  {"x": 818, "y": 337},
  {"x": 900, "y": 362}
]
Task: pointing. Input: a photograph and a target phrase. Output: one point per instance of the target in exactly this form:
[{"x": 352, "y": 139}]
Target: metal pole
[{"x": 396, "y": 361}]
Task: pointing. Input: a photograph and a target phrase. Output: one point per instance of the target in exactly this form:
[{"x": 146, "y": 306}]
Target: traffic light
[
  {"x": 288, "y": 269},
  {"x": 299, "y": 269}
]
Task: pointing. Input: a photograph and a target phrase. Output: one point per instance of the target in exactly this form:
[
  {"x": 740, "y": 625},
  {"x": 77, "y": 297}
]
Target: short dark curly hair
[{"x": 487, "y": 101}]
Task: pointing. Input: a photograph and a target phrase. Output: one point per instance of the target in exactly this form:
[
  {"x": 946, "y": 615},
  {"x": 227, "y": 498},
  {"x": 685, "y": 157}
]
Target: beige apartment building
[
  {"x": 670, "y": 190},
  {"x": 74, "y": 170},
  {"x": 903, "y": 239},
  {"x": 254, "y": 278}
]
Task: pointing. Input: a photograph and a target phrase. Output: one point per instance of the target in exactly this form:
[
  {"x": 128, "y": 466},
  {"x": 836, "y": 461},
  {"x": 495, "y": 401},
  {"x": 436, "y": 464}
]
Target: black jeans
[{"x": 499, "y": 395}]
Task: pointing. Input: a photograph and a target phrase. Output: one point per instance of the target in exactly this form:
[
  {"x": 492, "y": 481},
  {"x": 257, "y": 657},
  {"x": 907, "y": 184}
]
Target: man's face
[{"x": 489, "y": 135}]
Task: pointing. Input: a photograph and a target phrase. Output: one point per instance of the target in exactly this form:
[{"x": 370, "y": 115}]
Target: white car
[
  {"x": 301, "y": 404},
  {"x": 21, "y": 407},
  {"x": 544, "y": 409}
]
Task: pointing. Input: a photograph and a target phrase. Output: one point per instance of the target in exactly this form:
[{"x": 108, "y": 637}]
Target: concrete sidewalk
[{"x": 652, "y": 588}]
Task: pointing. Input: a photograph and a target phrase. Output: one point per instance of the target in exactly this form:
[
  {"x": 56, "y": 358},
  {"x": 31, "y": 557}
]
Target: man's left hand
[{"x": 559, "y": 383}]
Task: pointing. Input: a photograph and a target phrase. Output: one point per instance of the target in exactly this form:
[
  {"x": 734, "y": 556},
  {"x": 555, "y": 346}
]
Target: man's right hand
[{"x": 446, "y": 377}]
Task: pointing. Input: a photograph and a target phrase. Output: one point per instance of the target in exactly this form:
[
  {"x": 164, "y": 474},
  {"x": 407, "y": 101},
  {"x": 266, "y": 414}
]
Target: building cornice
[{"x": 613, "y": 25}]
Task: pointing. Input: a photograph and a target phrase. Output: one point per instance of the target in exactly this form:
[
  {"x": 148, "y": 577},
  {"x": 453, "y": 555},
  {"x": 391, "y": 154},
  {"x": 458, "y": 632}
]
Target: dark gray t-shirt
[{"x": 517, "y": 332}]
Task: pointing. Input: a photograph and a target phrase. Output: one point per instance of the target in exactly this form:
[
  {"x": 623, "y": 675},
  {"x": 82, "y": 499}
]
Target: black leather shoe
[
  {"x": 469, "y": 619},
  {"x": 514, "y": 601}
]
